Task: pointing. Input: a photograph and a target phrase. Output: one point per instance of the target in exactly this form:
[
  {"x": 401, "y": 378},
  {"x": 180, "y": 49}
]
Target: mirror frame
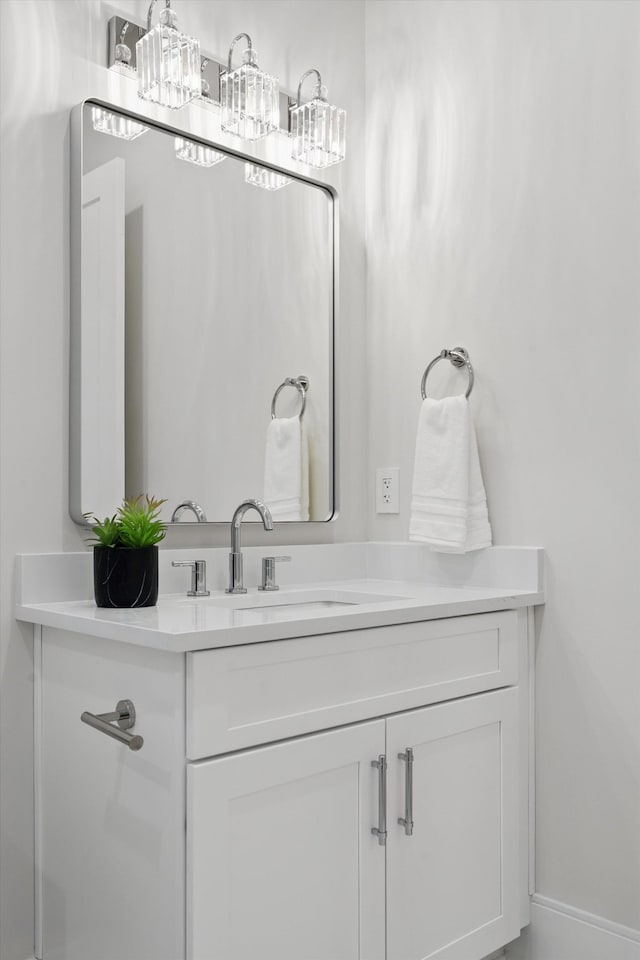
[{"x": 111, "y": 455}]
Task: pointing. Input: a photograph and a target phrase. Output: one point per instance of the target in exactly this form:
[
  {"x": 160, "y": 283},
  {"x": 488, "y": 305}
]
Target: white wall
[
  {"x": 52, "y": 57},
  {"x": 503, "y": 215}
]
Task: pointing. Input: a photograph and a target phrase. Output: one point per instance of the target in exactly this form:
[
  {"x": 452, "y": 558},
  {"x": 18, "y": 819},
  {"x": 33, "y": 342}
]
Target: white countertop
[{"x": 179, "y": 623}]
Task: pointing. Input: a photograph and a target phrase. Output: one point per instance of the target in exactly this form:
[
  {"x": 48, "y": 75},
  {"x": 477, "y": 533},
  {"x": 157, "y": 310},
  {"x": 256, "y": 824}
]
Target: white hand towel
[
  {"x": 448, "y": 503},
  {"x": 286, "y": 469}
]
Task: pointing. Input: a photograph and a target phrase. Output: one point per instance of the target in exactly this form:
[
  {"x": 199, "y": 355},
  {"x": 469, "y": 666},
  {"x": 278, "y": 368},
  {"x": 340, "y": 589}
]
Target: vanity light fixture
[
  {"x": 261, "y": 177},
  {"x": 168, "y": 62},
  {"x": 122, "y": 50},
  {"x": 250, "y": 101},
  {"x": 115, "y": 124},
  {"x": 205, "y": 86},
  {"x": 317, "y": 128},
  {"x": 249, "y": 97},
  {"x": 197, "y": 153}
]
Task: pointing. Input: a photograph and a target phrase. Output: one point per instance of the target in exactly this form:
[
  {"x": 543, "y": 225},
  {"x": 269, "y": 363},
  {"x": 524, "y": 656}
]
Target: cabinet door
[
  {"x": 452, "y": 886},
  {"x": 281, "y": 862}
]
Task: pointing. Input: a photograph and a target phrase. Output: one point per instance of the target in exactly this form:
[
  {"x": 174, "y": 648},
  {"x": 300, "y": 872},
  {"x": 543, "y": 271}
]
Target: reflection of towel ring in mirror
[
  {"x": 459, "y": 358},
  {"x": 301, "y": 384}
]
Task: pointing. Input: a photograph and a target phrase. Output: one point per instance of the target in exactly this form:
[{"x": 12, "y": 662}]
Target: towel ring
[
  {"x": 301, "y": 384},
  {"x": 459, "y": 358}
]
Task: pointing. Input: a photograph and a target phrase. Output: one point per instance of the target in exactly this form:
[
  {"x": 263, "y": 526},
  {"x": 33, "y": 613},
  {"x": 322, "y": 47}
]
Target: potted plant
[{"x": 125, "y": 554}]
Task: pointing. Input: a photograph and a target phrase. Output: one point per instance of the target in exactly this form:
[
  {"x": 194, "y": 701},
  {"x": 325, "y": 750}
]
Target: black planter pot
[{"x": 123, "y": 577}]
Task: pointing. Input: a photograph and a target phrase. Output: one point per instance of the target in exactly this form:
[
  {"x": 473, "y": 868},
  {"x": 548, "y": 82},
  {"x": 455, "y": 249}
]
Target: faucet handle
[
  {"x": 198, "y": 576},
  {"x": 269, "y": 572}
]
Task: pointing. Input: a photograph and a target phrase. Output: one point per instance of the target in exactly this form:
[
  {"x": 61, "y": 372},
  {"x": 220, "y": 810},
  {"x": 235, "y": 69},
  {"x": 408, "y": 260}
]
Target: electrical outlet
[{"x": 388, "y": 490}]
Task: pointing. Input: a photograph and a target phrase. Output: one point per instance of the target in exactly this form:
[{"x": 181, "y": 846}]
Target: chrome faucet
[
  {"x": 189, "y": 505},
  {"x": 235, "y": 557}
]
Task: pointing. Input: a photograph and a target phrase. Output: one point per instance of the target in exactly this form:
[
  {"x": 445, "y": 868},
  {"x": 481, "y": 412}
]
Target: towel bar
[
  {"x": 301, "y": 384},
  {"x": 124, "y": 715},
  {"x": 459, "y": 358}
]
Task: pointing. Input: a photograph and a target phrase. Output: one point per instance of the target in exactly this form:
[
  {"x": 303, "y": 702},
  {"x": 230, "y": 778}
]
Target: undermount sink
[
  {"x": 264, "y": 613},
  {"x": 316, "y": 604},
  {"x": 288, "y": 604}
]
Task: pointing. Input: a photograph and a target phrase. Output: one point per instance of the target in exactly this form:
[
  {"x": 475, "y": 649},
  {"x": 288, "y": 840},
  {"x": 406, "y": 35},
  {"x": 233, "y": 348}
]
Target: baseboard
[{"x": 561, "y": 932}]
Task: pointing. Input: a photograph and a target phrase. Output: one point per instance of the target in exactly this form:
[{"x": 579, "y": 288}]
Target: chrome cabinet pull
[
  {"x": 124, "y": 715},
  {"x": 407, "y": 820},
  {"x": 381, "y": 830}
]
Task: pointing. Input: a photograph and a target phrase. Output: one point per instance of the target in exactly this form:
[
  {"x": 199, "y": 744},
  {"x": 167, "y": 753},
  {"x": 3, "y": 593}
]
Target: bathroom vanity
[{"x": 337, "y": 771}]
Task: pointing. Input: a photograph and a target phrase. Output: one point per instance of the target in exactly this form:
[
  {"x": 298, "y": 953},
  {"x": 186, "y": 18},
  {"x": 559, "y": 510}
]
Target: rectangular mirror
[{"x": 203, "y": 316}]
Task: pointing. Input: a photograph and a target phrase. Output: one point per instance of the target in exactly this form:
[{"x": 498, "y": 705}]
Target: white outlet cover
[{"x": 388, "y": 490}]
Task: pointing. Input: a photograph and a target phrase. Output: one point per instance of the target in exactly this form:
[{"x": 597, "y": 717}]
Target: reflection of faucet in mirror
[
  {"x": 189, "y": 505},
  {"x": 235, "y": 557}
]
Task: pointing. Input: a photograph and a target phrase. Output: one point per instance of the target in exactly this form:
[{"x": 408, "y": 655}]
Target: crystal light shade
[
  {"x": 317, "y": 129},
  {"x": 118, "y": 126},
  {"x": 261, "y": 177},
  {"x": 197, "y": 153},
  {"x": 168, "y": 64},
  {"x": 250, "y": 98}
]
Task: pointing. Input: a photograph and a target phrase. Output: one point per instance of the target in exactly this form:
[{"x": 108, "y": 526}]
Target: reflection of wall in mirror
[
  {"x": 228, "y": 291},
  {"x": 101, "y": 440}
]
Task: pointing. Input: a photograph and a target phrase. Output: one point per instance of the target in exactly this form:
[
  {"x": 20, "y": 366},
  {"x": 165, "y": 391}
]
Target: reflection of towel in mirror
[
  {"x": 286, "y": 469},
  {"x": 448, "y": 503}
]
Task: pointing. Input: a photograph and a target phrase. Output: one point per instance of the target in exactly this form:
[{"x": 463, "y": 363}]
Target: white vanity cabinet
[
  {"x": 244, "y": 826},
  {"x": 282, "y": 862}
]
